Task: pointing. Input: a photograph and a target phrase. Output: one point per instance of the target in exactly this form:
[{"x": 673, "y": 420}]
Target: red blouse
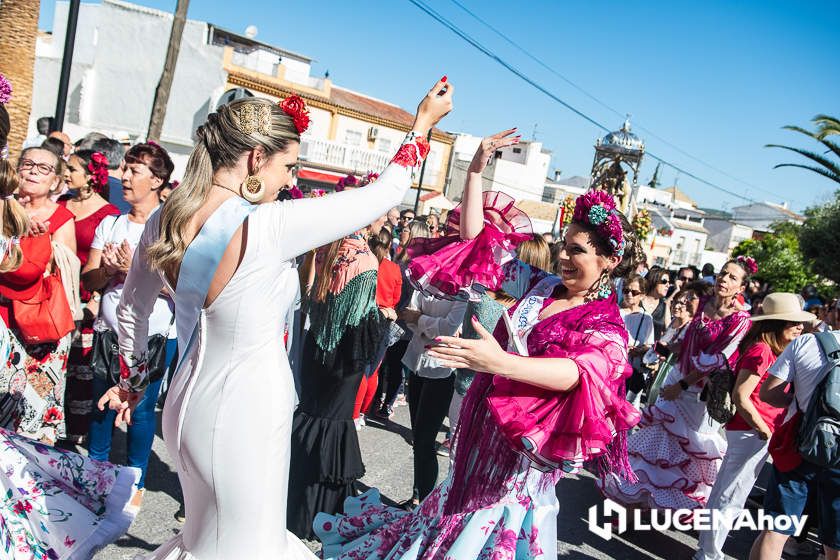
[
  {"x": 86, "y": 227},
  {"x": 60, "y": 217},
  {"x": 388, "y": 284}
]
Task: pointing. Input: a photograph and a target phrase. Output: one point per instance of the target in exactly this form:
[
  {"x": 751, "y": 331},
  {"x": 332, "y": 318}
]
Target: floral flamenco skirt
[
  {"x": 58, "y": 504},
  {"x": 518, "y": 527}
]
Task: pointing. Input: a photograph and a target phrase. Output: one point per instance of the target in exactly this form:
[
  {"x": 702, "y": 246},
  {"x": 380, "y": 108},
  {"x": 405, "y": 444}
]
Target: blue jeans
[{"x": 141, "y": 432}]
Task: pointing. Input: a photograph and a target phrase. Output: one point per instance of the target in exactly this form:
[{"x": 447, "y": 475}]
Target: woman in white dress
[{"x": 220, "y": 245}]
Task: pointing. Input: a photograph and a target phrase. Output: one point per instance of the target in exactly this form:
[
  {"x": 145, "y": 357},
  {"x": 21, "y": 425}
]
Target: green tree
[
  {"x": 826, "y": 162},
  {"x": 820, "y": 238},
  {"x": 780, "y": 259}
]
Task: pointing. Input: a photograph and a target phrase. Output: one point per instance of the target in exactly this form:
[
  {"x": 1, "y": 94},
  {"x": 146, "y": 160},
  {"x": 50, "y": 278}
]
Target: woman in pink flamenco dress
[
  {"x": 521, "y": 430},
  {"x": 678, "y": 450}
]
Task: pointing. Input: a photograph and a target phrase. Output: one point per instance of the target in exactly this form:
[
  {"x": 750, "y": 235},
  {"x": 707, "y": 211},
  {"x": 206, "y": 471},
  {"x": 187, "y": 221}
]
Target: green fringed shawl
[{"x": 331, "y": 318}]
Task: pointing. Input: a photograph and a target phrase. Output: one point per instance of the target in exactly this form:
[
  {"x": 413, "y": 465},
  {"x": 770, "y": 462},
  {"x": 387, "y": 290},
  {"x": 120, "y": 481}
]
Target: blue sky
[{"x": 718, "y": 79}]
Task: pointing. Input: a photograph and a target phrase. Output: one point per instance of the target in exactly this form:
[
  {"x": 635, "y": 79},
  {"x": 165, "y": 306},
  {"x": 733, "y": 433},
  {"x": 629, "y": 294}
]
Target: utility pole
[
  {"x": 165, "y": 84},
  {"x": 66, "y": 65}
]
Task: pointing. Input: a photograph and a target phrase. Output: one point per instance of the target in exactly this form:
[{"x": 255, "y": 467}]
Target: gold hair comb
[{"x": 252, "y": 118}]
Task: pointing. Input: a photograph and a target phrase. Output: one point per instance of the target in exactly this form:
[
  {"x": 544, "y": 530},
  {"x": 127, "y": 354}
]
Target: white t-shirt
[
  {"x": 116, "y": 230},
  {"x": 638, "y": 322},
  {"x": 803, "y": 364}
]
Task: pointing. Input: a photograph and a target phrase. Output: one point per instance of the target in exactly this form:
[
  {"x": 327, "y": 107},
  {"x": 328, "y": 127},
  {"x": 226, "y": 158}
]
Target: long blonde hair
[
  {"x": 219, "y": 144},
  {"x": 15, "y": 221},
  {"x": 535, "y": 252}
]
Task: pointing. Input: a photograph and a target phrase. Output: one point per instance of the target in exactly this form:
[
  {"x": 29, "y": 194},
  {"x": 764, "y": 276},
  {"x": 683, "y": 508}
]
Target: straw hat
[{"x": 782, "y": 306}]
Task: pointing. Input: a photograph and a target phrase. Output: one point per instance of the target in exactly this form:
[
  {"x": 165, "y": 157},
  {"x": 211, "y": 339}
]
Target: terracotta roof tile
[{"x": 538, "y": 210}]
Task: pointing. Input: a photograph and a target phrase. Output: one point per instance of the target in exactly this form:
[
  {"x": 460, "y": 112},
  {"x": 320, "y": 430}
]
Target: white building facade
[
  {"x": 761, "y": 216},
  {"x": 519, "y": 170},
  {"x": 118, "y": 60},
  {"x": 679, "y": 236}
]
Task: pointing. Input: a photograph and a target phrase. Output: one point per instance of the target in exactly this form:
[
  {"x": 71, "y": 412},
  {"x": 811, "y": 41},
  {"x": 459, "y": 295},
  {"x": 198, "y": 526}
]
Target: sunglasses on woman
[{"x": 629, "y": 292}]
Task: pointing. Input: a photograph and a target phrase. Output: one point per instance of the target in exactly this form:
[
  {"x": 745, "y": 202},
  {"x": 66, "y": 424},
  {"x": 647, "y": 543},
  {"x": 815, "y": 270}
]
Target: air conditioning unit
[{"x": 373, "y": 133}]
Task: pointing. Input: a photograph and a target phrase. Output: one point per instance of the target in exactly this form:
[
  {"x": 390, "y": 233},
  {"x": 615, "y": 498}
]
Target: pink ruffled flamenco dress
[
  {"x": 514, "y": 441},
  {"x": 678, "y": 449}
]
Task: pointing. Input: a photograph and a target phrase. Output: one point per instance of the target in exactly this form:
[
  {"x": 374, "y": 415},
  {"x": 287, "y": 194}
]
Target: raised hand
[
  {"x": 434, "y": 106},
  {"x": 488, "y": 148}
]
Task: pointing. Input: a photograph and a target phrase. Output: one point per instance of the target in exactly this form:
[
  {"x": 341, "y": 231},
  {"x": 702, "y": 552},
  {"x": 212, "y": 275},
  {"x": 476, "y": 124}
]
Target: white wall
[
  {"x": 319, "y": 123},
  {"x": 121, "y": 50}
]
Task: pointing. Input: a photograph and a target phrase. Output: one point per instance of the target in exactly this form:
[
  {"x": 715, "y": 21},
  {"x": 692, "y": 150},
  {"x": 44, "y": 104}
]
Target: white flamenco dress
[
  {"x": 228, "y": 414},
  {"x": 54, "y": 503}
]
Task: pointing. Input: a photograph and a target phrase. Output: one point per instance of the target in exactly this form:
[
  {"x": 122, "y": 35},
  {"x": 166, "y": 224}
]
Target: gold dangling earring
[{"x": 252, "y": 189}]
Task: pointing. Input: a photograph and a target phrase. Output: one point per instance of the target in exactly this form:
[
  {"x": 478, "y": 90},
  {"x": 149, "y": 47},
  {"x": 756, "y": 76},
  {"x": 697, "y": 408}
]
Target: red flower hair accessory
[
  {"x": 747, "y": 263},
  {"x": 343, "y": 183},
  {"x": 295, "y": 107},
  {"x": 597, "y": 209},
  {"x": 98, "y": 168}
]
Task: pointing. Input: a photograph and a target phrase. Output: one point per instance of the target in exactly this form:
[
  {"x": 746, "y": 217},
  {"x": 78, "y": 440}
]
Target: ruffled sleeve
[
  {"x": 566, "y": 429},
  {"x": 441, "y": 267},
  {"x": 722, "y": 353}
]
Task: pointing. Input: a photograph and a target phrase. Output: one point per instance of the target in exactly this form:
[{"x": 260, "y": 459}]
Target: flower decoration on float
[
  {"x": 317, "y": 193},
  {"x": 295, "y": 107},
  {"x": 600, "y": 207},
  {"x": 748, "y": 264},
  {"x": 568, "y": 208},
  {"x": 642, "y": 224},
  {"x": 5, "y": 90},
  {"x": 98, "y": 169},
  {"x": 295, "y": 192}
]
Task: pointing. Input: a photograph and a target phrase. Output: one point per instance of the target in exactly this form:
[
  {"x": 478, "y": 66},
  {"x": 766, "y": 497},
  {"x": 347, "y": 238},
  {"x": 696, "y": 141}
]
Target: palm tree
[
  {"x": 827, "y": 126},
  {"x": 18, "y": 34},
  {"x": 827, "y": 162}
]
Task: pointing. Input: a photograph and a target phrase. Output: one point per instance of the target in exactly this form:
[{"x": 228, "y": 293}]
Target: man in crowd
[
  {"x": 68, "y": 144},
  {"x": 114, "y": 151},
  {"x": 804, "y": 365},
  {"x": 685, "y": 276}
]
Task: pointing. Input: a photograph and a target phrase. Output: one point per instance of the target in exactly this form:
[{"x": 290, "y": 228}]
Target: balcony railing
[
  {"x": 337, "y": 154},
  {"x": 681, "y": 257}
]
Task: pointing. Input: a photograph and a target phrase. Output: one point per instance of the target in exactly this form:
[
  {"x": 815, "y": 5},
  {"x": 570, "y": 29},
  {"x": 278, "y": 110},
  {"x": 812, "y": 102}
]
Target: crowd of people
[{"x": 279, "y": 323}]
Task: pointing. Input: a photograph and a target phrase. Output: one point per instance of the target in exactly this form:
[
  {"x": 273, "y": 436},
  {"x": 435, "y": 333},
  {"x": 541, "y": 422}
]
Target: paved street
[{"x": 388, "y": 458}]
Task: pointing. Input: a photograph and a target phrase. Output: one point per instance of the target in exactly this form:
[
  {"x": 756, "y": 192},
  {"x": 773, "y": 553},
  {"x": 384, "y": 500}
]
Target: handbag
[
  {"x": 718, "y": 395},
  {"x": 105, "y": 356},
  {"x": 46, "y": 317}
]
